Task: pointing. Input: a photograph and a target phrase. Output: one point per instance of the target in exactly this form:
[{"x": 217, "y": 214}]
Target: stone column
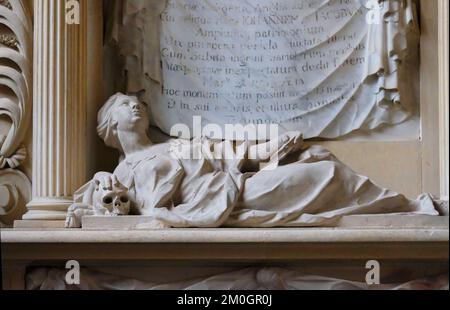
[{"x": 60, "y": 108}]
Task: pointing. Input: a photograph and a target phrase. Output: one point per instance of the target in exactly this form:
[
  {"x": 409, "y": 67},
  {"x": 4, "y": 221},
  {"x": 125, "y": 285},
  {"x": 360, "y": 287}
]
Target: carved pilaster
[
  {"x": 443, "y": 17},
  {"x": 60, "y": 107}
]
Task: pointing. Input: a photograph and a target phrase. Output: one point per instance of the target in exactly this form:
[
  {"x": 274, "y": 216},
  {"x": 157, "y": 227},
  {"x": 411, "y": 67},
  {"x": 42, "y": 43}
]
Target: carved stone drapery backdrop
[
  {"x": 263, "y": 72},
  {"x": 16, "y": 50}
]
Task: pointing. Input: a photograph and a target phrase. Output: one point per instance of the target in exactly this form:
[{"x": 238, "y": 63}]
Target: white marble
[
  {"x": 16, "y": 82},
  {"x": 15, "y": 192},
  {"x": 356, "y": 221},
  {"x": 60, "y": 109},
  {"x": 268, "y": 278},
  {"x": 207, "y": 183},
  {"x": 325, "y": 70},
  {"x": 226, "y": 235}
]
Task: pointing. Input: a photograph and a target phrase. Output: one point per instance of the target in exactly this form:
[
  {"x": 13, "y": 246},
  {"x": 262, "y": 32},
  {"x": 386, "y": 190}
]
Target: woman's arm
[{"x": 276, "y": 149}]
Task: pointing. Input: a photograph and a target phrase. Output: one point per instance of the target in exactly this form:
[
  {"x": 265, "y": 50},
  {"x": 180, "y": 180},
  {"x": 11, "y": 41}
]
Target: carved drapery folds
[
  {"x": 16, "y": 50},
  {"x": 378, "y": 92}
]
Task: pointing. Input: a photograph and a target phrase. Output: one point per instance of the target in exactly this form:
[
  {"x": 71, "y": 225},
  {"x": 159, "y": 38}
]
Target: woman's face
[{"x": 130, "y": 114}]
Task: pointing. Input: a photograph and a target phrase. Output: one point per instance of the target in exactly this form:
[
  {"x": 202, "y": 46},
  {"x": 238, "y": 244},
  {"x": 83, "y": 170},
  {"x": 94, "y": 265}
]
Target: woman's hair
[{"x": 107, "y": 125}]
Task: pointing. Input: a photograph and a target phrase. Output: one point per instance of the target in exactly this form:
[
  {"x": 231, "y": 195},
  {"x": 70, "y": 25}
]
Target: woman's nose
[{"x": 135, "y": 105}]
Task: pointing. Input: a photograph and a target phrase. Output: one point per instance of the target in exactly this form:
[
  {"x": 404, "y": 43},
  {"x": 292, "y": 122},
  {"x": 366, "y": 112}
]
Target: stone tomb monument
[
  {"x": 318, "y": 69},
  {"x": 314, "y": 68},
  {"x": 205, "y": 183}
]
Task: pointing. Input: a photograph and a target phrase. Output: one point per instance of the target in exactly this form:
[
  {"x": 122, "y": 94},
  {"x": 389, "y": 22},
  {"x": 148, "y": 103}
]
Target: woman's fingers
[
  {"x": 110, "y": 182},
  {"x": 115, "y": 181},
  {"x": 107, "y": 183},
  {"x": 285, "y": 138}
]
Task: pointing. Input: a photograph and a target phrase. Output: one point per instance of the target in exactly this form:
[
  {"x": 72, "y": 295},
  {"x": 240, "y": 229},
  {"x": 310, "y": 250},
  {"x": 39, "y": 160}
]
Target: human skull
[
  {"x": 113, "y": 201},
  {"x": 116, "y": 202}
]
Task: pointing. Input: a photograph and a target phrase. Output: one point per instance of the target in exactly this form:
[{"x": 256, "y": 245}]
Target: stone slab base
[
  {"x": 356, "y": 221},
  {"x": 147, "y": 223},
  {"x": 24, "y": 224},
  {"x": 121, "y": 223},
  {"x": 394, "y": 221}
]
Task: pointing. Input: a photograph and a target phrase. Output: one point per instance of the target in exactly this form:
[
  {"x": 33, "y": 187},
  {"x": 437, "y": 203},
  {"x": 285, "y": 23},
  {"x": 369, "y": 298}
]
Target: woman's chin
[
  {"x": 139, "y": 121},
  {"x": 136, "y": 118}
]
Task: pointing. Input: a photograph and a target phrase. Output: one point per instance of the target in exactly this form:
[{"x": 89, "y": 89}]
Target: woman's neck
[{"x": 133, "y": 142}]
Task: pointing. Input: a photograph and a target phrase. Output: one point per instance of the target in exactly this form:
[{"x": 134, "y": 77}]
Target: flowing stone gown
[{"x": 308, "y": 188}]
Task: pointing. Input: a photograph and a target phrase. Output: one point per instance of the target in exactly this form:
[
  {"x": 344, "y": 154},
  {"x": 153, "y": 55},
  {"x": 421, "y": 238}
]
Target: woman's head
[{"x": 121, "y": 113}]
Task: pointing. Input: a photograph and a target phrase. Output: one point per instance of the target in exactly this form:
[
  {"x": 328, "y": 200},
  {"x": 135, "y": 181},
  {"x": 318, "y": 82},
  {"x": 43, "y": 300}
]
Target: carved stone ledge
[
  {"x": 226, "y": 244},
  {"x": 227, "y": 235}
]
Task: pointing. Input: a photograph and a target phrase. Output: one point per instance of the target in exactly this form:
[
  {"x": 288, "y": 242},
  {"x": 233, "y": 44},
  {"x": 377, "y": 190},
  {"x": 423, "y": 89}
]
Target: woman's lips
[{"x": 137, "y": 113}]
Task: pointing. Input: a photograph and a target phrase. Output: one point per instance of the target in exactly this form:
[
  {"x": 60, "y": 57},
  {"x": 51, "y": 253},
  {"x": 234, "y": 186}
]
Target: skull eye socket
[
  {"x": 107, "y": 200},
  {"x": 123, "y": 199}
]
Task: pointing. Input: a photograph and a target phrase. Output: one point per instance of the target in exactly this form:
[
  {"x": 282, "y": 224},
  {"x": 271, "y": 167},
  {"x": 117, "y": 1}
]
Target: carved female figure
[{"x": 309, "y": 186}]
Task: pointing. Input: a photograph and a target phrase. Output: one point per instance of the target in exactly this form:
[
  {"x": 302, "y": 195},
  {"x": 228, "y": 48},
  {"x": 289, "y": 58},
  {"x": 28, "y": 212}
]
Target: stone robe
[{"x": 308, "y": 188}]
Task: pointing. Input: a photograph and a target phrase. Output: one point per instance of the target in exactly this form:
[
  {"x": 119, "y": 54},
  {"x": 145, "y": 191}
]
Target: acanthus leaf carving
[
  {"x": 15, "y": 192},
  {"x": 9, "y": 41},
  {"x": 15, "y": 76},
  {"x": 16, "y": 49},
  {"x": 14, "y": 161},
  {"x": 6, "y": 4}
]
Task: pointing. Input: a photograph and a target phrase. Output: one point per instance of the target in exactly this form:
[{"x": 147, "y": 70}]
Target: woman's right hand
[
  {"x": 107, "y": 182},
  {"x": 292, "y": 141}
]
